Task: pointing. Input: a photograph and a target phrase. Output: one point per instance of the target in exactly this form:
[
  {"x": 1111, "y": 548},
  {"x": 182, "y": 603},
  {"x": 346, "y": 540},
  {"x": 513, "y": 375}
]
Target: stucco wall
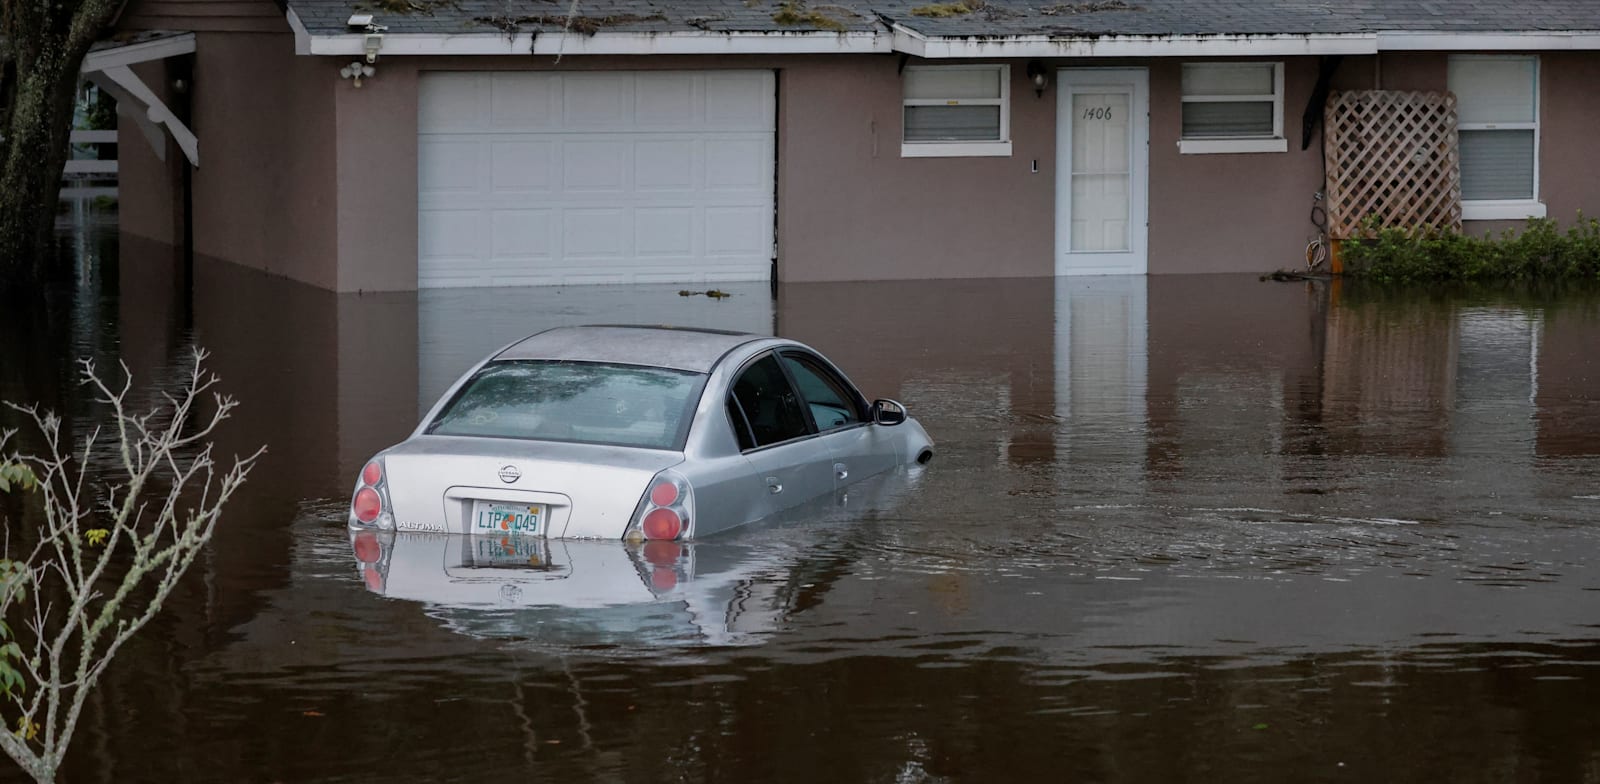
[
  {"x": 264, "y": 191},
  {"x": 1244, "y": 212},
  {"x": 850, "y": 208},
  {"x": 309, "y": 177},
  {"x": 1569, "y": 145},
  {"x": 149, "y": 201}
]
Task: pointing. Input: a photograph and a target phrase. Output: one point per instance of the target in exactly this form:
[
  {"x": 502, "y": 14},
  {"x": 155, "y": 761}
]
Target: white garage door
[{"x": 595, "y": 177}]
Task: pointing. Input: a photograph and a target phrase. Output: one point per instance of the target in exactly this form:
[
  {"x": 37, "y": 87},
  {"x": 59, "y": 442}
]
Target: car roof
[{"x": 679, "y": 348}]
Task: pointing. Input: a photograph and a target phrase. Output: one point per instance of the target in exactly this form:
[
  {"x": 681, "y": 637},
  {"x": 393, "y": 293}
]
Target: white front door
[{"x": 1103, "y": 160}]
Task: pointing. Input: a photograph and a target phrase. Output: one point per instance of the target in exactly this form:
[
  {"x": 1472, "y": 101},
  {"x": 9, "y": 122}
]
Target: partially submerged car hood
[{"x": 589, "y": 491}]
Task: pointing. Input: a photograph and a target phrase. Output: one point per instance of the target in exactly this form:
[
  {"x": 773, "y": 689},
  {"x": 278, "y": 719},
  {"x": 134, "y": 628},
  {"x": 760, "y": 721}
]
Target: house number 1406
[{"x": 1097, "y": 113}]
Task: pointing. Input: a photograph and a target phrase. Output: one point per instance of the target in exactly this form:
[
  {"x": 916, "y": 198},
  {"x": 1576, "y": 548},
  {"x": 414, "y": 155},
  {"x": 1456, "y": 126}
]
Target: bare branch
[{"x": 86, "y": 596}]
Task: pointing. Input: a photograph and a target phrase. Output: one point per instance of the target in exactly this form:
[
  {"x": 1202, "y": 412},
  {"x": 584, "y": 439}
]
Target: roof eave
[{"x": 902, "y": 40}]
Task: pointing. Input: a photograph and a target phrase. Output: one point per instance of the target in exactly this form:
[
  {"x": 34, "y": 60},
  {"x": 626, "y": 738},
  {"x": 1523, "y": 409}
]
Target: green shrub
[{"x": 1539, "y": 251}]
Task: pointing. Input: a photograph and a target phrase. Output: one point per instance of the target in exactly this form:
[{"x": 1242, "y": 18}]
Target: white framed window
[
  {"x": 1232, "y": 107},
  {"x": 956, "y": 110},
  {"x": 1497, "y": 106}
]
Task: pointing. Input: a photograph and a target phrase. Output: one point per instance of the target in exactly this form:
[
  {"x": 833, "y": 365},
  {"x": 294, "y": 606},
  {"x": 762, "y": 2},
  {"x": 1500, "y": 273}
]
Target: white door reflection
[
  {"x": 1101, "y": 373},
  {"x": 458, "y": 327},
  {"x": 1495, "y": 420}
]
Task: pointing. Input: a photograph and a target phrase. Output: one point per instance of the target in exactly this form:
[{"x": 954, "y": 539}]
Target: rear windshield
[{"x": 582, "y": 402}]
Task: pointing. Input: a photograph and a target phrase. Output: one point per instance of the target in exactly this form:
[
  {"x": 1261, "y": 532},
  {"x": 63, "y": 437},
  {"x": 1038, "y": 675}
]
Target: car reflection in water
[{"x": 731, "y": 590}]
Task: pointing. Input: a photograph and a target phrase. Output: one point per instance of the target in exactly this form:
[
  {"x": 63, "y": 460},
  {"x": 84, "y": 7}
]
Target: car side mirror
[{"x": 888, "y": 412}]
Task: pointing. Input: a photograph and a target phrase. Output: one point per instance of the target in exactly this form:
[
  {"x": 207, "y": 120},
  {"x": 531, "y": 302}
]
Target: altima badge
[{"x": 510, "y": 474}]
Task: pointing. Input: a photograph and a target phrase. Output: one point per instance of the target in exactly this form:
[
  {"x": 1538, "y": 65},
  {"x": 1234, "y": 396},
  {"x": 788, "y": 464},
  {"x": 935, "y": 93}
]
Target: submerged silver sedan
[{"x": 620, "y": 432}]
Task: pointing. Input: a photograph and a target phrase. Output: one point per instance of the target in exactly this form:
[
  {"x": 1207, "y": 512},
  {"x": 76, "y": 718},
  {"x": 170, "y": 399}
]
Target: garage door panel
[
  {"x": 736, "y": 231},
  {"x": 449, "y": 166},
  {"x": 668, "y": 165},
  {"x": 523, "y": 234},
  {"x": 739, "y": 164},
  {"x": 666, "y": 101},
  {"x": 621, "y": 177},
  {"x": 596, "y": 166},
  {"x": 451, "y": 233},
  {"x": 451, "y": 102},
  {"x": 524, "y": 102},
  {"x": 523, "y": 166},
  {"x": 595, "y": 233},
  {"x": 596, "y": 101},
  {"x": 736, "y": 100},
  {"x": 664, "y": 232}
]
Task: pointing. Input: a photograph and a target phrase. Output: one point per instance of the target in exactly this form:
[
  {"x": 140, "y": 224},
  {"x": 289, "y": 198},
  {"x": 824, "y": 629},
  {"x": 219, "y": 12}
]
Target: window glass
[
  {"x": 946, "y": 83},
  {"x": 954, "y": 104},
  {"x": 952, "y": 123},
  {"x": 769, "y": 403},
  {"x": 1227, "y": 120},
  {"x": 1228, "y": 79},
  {"x": 1493, "y": 89},
  {"x": 830, "y": 401},
  {"x": 1497, "y": 108},
  {"x": 585, "y": 402},
  {"x": 1497, "y": 164},
  {"x": 1231, "y": 100},
  {"x": 741, "y": 426}
]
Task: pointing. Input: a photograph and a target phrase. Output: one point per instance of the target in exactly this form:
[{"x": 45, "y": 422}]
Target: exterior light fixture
[
  {"x": 1039, "y": 76},
  {"x": 357, "y": 71},
  {"x": 373, "y": 41}
]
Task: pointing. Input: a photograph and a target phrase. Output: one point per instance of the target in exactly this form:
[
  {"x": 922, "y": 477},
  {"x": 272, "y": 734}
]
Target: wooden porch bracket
[{"x": 110, "y": 68}]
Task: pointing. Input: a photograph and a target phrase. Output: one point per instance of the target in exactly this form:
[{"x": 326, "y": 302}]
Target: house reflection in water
[{"x": 1070, "y": 383}]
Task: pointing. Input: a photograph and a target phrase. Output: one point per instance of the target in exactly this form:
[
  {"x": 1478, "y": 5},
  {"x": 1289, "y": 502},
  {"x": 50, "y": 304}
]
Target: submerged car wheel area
[{"x": 637, "y": 433}]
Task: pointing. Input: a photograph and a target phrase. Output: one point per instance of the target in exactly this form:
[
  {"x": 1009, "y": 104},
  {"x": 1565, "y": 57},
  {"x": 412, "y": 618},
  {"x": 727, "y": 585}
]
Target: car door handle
[
  {"x": 774, "y": 486},
  {"x": 841, "y": 470}
]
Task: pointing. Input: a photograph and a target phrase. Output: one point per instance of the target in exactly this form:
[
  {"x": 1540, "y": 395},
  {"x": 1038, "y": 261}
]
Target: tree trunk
[{"x": 34, "y": 154}]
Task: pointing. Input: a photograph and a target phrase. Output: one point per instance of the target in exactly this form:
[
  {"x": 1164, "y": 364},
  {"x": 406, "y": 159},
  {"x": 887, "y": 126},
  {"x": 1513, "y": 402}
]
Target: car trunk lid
[{"x": 439, "y": 483}]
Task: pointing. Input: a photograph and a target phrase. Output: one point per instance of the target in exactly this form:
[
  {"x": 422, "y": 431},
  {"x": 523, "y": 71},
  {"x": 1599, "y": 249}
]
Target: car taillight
[
  {"x": 662, "y": 524},
  {"x": 370, "y": 504},
  {"x": 663, "y": 494},
  {"x": 367, "y": 505},
  {"x": 665, "y": 511}
]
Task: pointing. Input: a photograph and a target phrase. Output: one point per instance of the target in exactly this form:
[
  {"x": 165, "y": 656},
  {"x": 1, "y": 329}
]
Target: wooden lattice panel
[{"x": 1392, "y": 155}]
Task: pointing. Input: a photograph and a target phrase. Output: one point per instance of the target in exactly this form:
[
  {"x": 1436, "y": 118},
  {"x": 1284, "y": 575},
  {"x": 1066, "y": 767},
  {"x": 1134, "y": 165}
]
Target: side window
[
  {"x": 829, "y": 398},
  {"x": 768, "y": 403}
]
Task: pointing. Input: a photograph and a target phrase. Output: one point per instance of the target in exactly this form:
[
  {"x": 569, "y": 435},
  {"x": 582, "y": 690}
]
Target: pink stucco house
[{"x": 389, "y": 145}]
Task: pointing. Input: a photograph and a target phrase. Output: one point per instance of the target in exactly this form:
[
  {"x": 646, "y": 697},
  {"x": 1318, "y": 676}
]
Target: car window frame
[
  {"x": 822, "y": 366},
  {"x": 680, "y": 440},
  {"x": 805, "y": 412}
]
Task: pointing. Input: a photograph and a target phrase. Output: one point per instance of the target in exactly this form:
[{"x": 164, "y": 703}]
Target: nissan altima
[{"x": 637, "y": 433}]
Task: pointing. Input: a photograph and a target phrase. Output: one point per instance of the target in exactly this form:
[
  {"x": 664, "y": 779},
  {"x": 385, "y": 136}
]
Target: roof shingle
[{"x": 990, "y": 18}]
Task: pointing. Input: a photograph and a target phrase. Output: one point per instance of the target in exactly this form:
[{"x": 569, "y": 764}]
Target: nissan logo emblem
[{"x": 510, "y": 474}]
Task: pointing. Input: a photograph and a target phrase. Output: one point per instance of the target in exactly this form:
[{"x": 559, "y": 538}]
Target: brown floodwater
[{"x": 1179, "y": 528}]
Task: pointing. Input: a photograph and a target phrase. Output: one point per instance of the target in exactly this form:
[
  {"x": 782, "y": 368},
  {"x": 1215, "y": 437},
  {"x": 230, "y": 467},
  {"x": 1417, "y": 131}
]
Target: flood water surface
[{"x": 1178, "y": 528}]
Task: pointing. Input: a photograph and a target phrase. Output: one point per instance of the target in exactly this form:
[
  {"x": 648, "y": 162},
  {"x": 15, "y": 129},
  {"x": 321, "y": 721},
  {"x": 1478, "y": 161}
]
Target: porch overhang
[{"x": 110, "y": 67}]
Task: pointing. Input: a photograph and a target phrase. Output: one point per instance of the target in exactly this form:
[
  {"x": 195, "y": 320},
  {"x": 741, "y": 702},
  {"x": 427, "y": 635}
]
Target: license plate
[{"x": 491, "y": 517}]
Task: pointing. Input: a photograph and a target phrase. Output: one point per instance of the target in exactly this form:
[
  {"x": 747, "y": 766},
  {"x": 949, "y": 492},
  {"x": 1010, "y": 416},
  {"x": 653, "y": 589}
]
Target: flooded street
[{"x": 1179, "y": 528}]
